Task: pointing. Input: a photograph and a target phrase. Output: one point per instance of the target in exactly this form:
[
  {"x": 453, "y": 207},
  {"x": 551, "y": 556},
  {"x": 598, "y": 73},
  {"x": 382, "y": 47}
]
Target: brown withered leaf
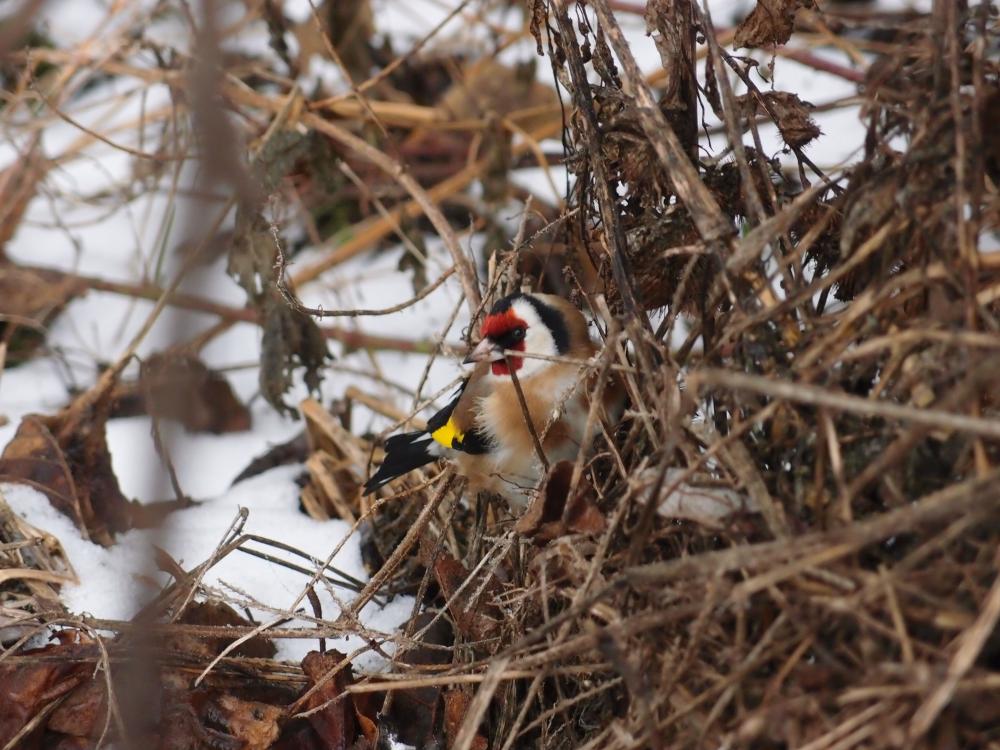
[
  {"x": 291, "y": 339},
  {"x": 35, "y": 457},
  {"x": 548, "y": 516},
  {"x": 217, "y": 614},
  {"x": 182, "y": 726},
  {"x": 335, "y": 724},
  {"x": 348, "y": 25},
  {"x": 27, "y": 688},
  {"x": 770, "y": 22},
  {"x": 254, "y": 724},
  {"x": 84, "y": 711},
  {"x": 791, "y": 115},
  {"x": 413, "y": 715},
  {"x": 294, "y": 451},
  {"x": 66, "y": 457},
  {"x": 476, "y": 619},
  {"x": 179, "y": 386},
  {"x": 32, "y": 298},
  {"x": 491, "y": 87},
  {"x": 456, "y": 706}
]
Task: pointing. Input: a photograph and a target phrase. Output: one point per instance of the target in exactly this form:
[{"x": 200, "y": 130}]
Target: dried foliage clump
[{"x": 791, "y": 539}]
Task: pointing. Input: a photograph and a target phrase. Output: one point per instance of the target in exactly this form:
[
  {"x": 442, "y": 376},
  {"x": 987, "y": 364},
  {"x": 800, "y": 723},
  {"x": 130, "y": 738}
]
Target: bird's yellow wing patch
[{"x": 447, "y": 434}]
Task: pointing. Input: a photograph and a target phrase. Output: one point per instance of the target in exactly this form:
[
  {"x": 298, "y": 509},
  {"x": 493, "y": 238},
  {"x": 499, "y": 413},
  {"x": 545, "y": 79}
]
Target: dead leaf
[
  {"x": 791, "y": 115},
  {"x": 26, "y": 689},
  {"x": 294, "y": 451},
  {"x": 182, "y": 388},
  {"x": 346, "y": 24},
  {"x": 548, "y": 516},
  {"x": 476, "y": 619},
  {"x": 253, "y": 723},
  {"x": 770, "y": 22},
  {"x": 66, "y": 457},
  {"x": 291, "y": 339},
  {"x": 709, "y": 506},
  {"x": 181, "y": 726},
  {"x": 217, "y": 614},
  {"x": 83, "y": 713},
  {"x": 456, "y": 706},
  {"x": 491, "y": 87},
  {"x": 335, "y": 724},
  {"x": 31, "y": 299},
  {"x": 413, "y": 714}
]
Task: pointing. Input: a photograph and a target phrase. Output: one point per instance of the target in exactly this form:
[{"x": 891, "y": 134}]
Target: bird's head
[{"x": 521, "y": 323}]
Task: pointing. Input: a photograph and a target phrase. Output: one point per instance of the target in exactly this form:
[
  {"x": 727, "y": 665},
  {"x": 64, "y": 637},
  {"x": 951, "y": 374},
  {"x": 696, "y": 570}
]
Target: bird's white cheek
[{"x": 535, "y": 343}]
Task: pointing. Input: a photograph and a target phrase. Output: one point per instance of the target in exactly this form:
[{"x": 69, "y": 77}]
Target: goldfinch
[{"x": 483, "y": 429}]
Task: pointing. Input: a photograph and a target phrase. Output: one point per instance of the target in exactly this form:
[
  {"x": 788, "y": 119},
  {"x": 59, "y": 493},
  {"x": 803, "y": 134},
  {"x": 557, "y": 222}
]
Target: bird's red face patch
[
  {"x": 500, "y": 327},
  {"x": 497, "y": 325}
]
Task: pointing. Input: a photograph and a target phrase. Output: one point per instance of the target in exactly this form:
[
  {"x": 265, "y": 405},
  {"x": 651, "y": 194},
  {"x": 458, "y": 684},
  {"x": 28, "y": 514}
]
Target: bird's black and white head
[{"x": 521, "y": 323}]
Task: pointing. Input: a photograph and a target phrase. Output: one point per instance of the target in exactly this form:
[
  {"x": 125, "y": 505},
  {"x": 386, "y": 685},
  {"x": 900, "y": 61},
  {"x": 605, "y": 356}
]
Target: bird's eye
[{"x": 517, "y": 334}]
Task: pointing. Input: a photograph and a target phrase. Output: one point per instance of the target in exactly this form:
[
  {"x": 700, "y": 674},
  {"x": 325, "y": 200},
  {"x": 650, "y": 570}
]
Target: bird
[{"x": 483, "y": 429}]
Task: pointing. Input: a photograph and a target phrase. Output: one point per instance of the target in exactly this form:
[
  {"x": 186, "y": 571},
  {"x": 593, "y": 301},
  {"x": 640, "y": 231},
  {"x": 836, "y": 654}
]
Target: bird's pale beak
[{"x": 485, "y": 351}]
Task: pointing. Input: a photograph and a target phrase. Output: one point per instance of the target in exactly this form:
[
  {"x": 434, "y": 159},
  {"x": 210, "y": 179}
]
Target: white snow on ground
[
  {"x": 116, "y": 582},
  {"x": 82, "y": 220}
]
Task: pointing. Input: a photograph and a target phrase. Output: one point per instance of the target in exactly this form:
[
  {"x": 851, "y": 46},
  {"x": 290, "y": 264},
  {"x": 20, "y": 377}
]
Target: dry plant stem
[
  {"x": 392, "y": 168},
  {"x": 32, "y": 724},
  {"x": 934, "y": 508},
  {"x": 350, "y": 338},
  {"x": 613, "y": 233},
  {"x": 411, "y": 538},
  {"x": 411, "y": 622},
  {"x": 331, "y": 50},
  {"x": 970, "y": 645},
  {"x": 593, "y": 413},
  {"x": 730, "y": 113},
  {"x": 320, "y": 312},
  {"x": 480, "y": 703},
  {"x": 816, "y": 62},
  {"x": 713, "y": 226},
  {"x": 350, "y": 615},
  {"x": 847, "y": 734},
  {"x": 383, "y": 212},
  {"x": 195, "y": 578},
  {"x": 439, "y": 347},
  {"x": 401, "y": 59},
  {"x": 738, "y": 457},
  {"x": 104, "y": 139},
  {"x": 366, "y": 233},
  {"x": 526, "y": 414},
  {"x": 413, "y": 534},
  {"x": 819, "y": 396},
  {"x": 750, "y": 247},
  {"x": 980, "y": 375}
]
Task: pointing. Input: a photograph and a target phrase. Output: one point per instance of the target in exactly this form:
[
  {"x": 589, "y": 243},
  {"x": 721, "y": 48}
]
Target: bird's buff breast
[{"x": 512, "y": 468}]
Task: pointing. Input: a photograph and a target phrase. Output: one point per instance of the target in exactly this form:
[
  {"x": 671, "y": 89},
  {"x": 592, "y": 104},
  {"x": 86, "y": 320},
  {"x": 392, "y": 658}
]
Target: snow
[{"x": 115, "y": 582}]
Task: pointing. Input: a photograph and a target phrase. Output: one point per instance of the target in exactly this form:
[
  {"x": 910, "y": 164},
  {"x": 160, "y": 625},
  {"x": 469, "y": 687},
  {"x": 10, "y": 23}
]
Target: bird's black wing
[
  {"x": 446, "y": 432},
  {"x": 411, "y": 450},
  {"x": 440, "y": 419}
]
